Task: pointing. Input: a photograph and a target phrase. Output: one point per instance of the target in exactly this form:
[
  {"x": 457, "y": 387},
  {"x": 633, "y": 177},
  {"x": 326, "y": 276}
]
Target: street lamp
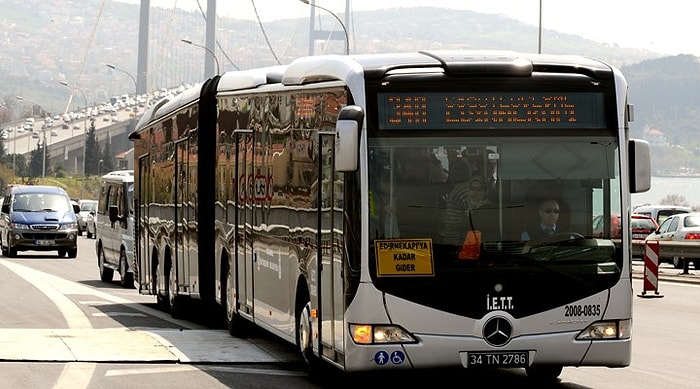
[
  {"x": 128, "y": 74},
  {"x": 84, "y": 125},
  {"x": 189, "y": 42},
  {"x": 539, "y": 38},
  {"x": 347, "y": 39},
  {"x": 43, "y": 130}
]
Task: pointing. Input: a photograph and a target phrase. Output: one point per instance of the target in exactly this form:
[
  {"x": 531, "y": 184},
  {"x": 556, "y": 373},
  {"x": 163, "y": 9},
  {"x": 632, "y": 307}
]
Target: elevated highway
[{"x": 66, "y": 145}]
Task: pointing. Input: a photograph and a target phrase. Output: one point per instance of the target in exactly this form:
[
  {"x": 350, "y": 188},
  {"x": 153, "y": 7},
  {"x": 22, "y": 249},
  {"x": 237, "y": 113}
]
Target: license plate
[
  {"x": 44, "y": 242},
  {"x": 638, "y": 236},
  {"x": 498, "y": 359}
]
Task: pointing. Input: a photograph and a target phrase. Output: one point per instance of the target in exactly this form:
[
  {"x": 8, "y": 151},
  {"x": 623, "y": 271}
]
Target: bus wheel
[
  {"x": 175, "y": 303},
  {"x": 543, "y": 373},
  {"x": 304, "y": 339},
  {"x": 161, "y": 299},
  {"x": 233, "y": 322}
]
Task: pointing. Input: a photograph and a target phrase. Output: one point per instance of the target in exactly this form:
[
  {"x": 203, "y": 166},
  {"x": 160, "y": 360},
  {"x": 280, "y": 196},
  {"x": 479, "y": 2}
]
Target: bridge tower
[{"x": 335, "y": 34}]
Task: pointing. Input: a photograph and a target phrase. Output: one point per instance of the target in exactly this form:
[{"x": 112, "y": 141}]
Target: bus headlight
[
  {"x": 380, "y": 334},
  {"x": 608, "y": 329}
]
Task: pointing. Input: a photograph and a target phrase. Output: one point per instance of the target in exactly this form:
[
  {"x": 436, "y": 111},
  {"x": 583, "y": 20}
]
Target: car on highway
[
  {"x": 640, "y": 226},
  {"x": 682, "y": 228},
  {"x": 660, "y": 212},
  {"x": 114, "y": 227},
  {"x": 38, "y": 218},
  {"x": 90, "y": 226},
  {"x": 86, "y": 206}
]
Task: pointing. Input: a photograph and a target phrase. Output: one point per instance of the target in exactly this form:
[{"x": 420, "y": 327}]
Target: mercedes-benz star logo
[{"x": 497, "y": 331}]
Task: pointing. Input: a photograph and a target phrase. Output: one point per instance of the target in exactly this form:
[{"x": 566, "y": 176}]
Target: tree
[
  {"x": 107, "y": 159},
  {"x": 20, "y": 164},
  {"x": 36, "y": 160},
  {"x": 92, "y": 151},
  {"x": 675, "y": 199}
]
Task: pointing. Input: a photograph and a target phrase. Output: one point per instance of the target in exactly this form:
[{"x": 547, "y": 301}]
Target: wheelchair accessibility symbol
[{"x": 382, "y": 357}]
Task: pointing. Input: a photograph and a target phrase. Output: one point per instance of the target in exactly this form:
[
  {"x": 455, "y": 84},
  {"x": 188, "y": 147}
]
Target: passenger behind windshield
[{"x": 460, "y": 203}]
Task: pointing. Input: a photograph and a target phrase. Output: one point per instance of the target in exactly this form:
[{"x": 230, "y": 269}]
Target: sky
[{"x": 665, "y": 27}]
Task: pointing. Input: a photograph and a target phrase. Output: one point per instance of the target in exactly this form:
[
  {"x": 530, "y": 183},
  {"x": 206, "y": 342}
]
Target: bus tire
[
  {"x": 234, "y": 324},
  {"x": 305, "y": 339},
  {"x": 161, "y": 297},
  {"x": 543, "y": 373},
  {"x": 175, "y": 303}
]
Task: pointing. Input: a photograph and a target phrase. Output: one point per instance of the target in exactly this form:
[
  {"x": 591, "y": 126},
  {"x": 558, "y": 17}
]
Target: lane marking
[
  {"x": 115, "y": 314},
  {"x": 75, "y": 375},
  {"x": 55, "y": 289},
  {"x": 150, "y": 370},
  {"x": 72, "y": 287}
]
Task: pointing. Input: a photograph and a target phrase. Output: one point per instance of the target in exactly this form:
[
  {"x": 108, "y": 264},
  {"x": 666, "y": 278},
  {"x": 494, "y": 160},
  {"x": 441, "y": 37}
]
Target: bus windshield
[{"x": 475, "y": 205}]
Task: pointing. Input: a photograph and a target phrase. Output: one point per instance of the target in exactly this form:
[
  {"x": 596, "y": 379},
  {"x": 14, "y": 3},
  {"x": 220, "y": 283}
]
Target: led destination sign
[{"x": 471, "y": 110}]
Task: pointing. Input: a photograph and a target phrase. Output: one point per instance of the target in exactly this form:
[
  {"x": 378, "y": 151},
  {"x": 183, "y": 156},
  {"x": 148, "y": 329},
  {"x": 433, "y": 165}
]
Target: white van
[
  {"x": 114, "y": 227},
  {"x": 661, "y": 211}
]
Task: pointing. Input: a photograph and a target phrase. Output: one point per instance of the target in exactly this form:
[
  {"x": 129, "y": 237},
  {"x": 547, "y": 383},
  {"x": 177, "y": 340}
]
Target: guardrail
[{"x": 669, "y": 249}]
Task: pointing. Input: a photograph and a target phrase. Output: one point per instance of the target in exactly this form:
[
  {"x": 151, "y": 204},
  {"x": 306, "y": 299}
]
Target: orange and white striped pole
[{"x": 651, "y": 269}]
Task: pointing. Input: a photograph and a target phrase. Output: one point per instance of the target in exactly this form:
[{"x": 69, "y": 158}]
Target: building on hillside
[{"x": 125, "y": 160}]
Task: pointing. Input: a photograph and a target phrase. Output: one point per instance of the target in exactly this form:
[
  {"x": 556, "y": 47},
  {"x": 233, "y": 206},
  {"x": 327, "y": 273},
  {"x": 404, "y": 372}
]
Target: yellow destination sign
[{"x": 404, "y": 257}]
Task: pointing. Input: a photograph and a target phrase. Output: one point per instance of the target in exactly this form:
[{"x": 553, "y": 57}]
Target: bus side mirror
[
  {"x": 639, "y": 165},
  {"x": 347, "y": 138}
]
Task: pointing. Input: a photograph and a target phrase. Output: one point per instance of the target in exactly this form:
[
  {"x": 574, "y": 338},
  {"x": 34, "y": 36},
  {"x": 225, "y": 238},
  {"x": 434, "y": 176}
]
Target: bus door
[
  {"x": 182, "y": 217},
  {"x": 142, "y": 255},
  {"x": 245, "y": 206},
  {"x": 330, "y": 266}
]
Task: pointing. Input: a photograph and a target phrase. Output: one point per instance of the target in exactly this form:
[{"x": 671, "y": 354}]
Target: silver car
[
  {"x": 90, "y": 228},
  {"x": 683, "y": 227},
  {"x": 86, "y": 206}
]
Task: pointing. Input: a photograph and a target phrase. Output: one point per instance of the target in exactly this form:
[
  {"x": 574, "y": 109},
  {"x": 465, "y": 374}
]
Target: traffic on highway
[{"x": 23, "y": 137}]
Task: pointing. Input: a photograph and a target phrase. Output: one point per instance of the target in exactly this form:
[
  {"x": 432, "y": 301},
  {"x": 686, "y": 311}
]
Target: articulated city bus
[{"x": 329, "y": 201}]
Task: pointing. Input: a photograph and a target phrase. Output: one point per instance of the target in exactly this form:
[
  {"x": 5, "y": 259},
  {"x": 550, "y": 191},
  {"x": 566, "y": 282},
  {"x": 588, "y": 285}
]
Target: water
[{"x": 687, "y": 187}]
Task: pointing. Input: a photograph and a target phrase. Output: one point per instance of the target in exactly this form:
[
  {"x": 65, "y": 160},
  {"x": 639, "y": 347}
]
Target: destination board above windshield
[{"x": 501, "y": 110}]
